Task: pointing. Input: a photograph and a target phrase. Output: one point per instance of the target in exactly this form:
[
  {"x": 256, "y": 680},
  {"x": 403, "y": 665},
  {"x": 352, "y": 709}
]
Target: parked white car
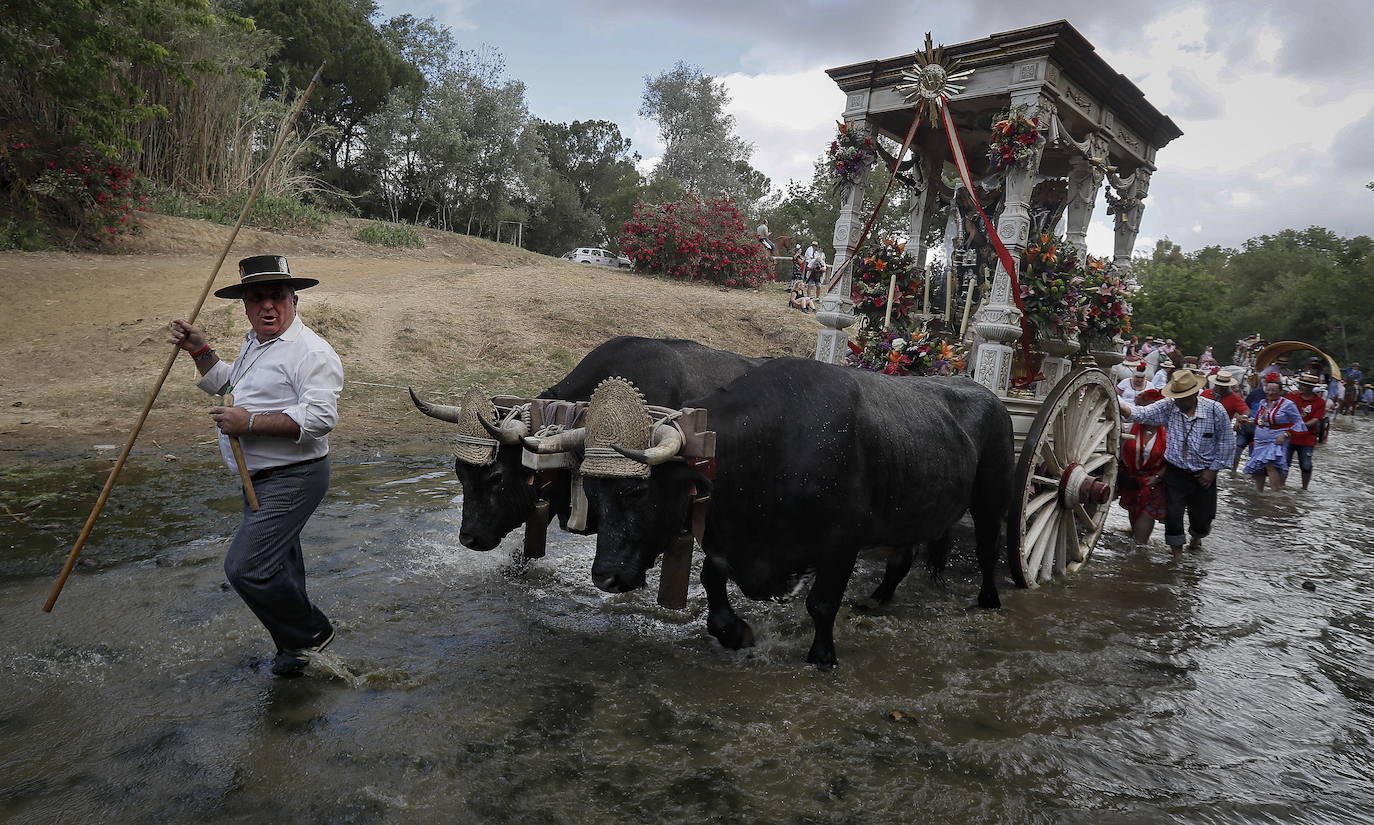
[{"x": 596, "y": 255}]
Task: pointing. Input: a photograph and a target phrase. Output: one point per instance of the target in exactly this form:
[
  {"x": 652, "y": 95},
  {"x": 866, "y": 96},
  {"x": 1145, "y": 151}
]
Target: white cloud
[{"x": 789, "y": 118}]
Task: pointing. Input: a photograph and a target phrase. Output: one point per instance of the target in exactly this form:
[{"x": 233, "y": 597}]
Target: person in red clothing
[
  {"x": 1142, "y": 465},
  {"x": 1312, "y": 407},
  {"x": 1224, "y": 392}
]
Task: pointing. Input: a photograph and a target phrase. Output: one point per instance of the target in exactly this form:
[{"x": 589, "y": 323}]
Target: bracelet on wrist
[
  {"x": 198, "y": 354},
  {"x": 251, "y": 418}
]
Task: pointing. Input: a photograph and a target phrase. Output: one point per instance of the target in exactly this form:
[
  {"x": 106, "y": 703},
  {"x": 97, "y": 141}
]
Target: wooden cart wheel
[{"x": 1065, "y": 479}]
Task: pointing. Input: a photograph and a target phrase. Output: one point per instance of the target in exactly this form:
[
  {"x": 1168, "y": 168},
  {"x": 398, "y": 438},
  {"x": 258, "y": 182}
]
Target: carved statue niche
[
  {"x": 1046, "y": 206},
  {"x": 974, "y": 250}
]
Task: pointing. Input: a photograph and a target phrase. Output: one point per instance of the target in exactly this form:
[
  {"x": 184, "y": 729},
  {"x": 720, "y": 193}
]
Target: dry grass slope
[{"x": 85, "y": 332}]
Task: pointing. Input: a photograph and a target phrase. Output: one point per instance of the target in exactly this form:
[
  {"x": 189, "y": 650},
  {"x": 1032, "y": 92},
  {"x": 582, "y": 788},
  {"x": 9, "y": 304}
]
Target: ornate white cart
[{"x": 1097, "y": 126}]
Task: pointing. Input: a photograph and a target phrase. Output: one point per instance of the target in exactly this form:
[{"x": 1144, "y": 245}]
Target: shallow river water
[{"x": 464, "y": 688}]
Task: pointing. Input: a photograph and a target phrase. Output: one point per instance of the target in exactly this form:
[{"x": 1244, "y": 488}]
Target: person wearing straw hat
[
  {"x": 1198, "y": 446},
  {"x": 286, "y": 382},
  {"x": 1163, "y": 374},
  {"x": 1275, "y": 417},
  {"x": 1223, "y": 391},
  {"x": 1312, "y": 408}
]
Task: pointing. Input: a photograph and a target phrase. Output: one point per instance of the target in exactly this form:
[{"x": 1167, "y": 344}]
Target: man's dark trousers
[
  {"x": 264, "y": 563},
  {"x": 1184, "y": 493}
]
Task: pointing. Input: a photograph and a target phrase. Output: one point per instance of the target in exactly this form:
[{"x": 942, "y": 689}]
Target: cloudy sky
[{"x": 1275, "y": 98}]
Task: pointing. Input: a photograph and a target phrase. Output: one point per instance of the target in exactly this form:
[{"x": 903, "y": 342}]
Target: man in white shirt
[{"x": 286, "y": 383}]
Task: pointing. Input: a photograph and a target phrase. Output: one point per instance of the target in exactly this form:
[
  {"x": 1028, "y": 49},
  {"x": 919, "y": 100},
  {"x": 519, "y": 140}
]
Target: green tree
[
  {"x": 701, "y": 149},
  {"x": 1170, "y": 302},
  {"x": 360, "y": 67},
  {"x": 67, "y": 66}
]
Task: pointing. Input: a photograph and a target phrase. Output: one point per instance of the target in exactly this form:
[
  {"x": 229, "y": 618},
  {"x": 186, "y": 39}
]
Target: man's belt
[{"x": 267, "y": 473}]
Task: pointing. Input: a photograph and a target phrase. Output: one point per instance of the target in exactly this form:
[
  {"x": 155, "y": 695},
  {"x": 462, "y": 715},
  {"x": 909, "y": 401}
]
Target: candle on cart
[
  {"x": 949, "y": 296},
  {"x": 925, "y": 292},
  {"x": 968, "y": 305},
  {"x": 891, "y": 289}
]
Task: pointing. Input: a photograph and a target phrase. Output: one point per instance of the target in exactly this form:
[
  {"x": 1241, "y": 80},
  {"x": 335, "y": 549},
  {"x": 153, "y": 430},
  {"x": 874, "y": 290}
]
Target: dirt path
[{"x": 85, "y": 333}]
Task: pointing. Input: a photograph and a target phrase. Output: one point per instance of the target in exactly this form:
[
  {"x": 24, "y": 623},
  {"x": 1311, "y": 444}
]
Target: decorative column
[
  {"x": 1085, "y": 179},
  {"x": 1129, "y": 208},
  {"x": 837, "y": 308},
  {"x": 999, "y": 322}
]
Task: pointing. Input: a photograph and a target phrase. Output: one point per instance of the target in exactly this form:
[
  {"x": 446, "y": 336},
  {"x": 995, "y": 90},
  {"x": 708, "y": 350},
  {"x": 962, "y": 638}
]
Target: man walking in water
[
  {"x": 1199, "y": 444},
  {"x": 286, "y": 383},
  {"x": 1312, "y": 407}
]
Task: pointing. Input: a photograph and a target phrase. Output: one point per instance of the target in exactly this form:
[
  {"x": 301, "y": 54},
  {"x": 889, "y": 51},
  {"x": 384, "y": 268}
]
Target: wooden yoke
[{"x": 698, "y": 450}]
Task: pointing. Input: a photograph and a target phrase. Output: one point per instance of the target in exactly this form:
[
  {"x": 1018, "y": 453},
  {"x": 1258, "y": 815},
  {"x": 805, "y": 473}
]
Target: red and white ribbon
[{"x": 1003, "y": 254}]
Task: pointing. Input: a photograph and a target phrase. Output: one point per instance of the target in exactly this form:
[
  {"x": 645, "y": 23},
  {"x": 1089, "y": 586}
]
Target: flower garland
[
  {"x": 894, "y": 354},
  {"x": 1107, "y": 297},
  {"x": 1066, "y": 293},
  {"x": 850, "y": 155},
  {"x": 1051, "y": 287},
  {"x": 872, "y": 276},
  {"x": 1015, "y": 138}
]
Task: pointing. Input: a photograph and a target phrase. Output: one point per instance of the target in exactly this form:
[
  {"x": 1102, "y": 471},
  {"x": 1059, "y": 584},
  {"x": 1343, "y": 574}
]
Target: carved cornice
[{"x": 1082, "y": 68}]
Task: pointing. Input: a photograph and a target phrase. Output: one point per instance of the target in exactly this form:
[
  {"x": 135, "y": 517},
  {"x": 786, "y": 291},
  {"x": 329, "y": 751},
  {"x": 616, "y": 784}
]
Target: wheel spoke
[
  {"x": 1045, "y": 480},
  {"x": 1037, "y": 540},
  {"x": 1039, "y": 501},
  {"x": 1095, "y": 435},
  {"x": 1056, "y": 467},
  {"x": 1098, "y": 462}
]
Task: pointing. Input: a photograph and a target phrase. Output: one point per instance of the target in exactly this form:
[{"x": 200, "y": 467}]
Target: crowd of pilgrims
[{"x": 1278, "y": 416}]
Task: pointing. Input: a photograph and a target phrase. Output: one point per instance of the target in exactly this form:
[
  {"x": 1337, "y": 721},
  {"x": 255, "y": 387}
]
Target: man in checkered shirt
[{"x": 1199, "y": 443}]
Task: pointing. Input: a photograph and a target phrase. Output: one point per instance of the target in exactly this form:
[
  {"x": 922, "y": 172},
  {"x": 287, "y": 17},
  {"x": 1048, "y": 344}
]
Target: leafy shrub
[
  {"x": 70, "y": 184},
  {"x": 26, "y": 236},
  {"x": 693, "y": 239},
  {"x": 281, "y": 213},
  {"x": 390, "y": 234}
]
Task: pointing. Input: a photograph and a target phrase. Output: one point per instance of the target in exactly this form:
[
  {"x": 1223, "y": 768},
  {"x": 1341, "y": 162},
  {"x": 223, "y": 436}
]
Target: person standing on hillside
[
  {"x": 815, "y": 273},
  {"x": 286, "y": 383},
  {"x": 1199, "y": 444},
  {"x": 1312, "y": 407}
]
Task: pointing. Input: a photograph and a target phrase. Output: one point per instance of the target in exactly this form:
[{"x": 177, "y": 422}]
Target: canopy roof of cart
[{"x": 1054, "y": 58}]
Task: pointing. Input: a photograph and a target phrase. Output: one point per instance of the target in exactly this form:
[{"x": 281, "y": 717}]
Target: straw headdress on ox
[
  {"x": 478, "y": 438},
  {"x": 617, "y": 415}
]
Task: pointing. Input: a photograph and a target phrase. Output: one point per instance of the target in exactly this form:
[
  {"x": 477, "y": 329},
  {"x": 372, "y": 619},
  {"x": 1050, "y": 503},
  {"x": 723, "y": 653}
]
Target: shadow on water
[{"x": 466, "y": 688}]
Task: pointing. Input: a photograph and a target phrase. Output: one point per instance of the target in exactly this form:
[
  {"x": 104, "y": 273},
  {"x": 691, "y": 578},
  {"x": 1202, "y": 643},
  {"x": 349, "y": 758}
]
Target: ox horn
[
  {"x": 443, "y": 412},
  {"x": 510, "y": 432},
  {"x": 564, "y": 442},
  {"x": 667, "y": 443}
]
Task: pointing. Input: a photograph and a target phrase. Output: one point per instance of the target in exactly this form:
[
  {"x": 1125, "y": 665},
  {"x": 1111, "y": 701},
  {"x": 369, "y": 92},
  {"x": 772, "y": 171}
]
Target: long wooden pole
[
  {"x": 167, "y": 368},
  {"x": 237, "y": 449}
]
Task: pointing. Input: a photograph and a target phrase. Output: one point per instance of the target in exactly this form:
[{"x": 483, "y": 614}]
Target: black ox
[
  {"x": 814, "y": 463},
  {"x": 499, "y": 497}
]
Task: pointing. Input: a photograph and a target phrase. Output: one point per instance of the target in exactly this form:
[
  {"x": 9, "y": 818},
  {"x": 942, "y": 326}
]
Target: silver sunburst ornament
[{"x": 933, "y": 78}]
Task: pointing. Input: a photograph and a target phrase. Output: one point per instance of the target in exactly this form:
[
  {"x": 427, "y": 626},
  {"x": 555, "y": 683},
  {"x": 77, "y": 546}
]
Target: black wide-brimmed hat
[{"x": 263, "y": 269}]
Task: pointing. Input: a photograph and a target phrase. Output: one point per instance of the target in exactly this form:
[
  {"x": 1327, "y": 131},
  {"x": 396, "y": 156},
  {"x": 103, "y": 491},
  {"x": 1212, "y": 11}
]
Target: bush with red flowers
[
  {"x": 72, "y": 185},
  {"x": 694, "y": 239}
]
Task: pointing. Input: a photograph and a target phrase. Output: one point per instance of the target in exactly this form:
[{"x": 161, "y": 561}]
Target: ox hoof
[
  {"x": 988, "y": 599},
  {"x": 871, "y": 604},
  {"x": 735, "y": 636},
  {"x": 824, "y": 660}
]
